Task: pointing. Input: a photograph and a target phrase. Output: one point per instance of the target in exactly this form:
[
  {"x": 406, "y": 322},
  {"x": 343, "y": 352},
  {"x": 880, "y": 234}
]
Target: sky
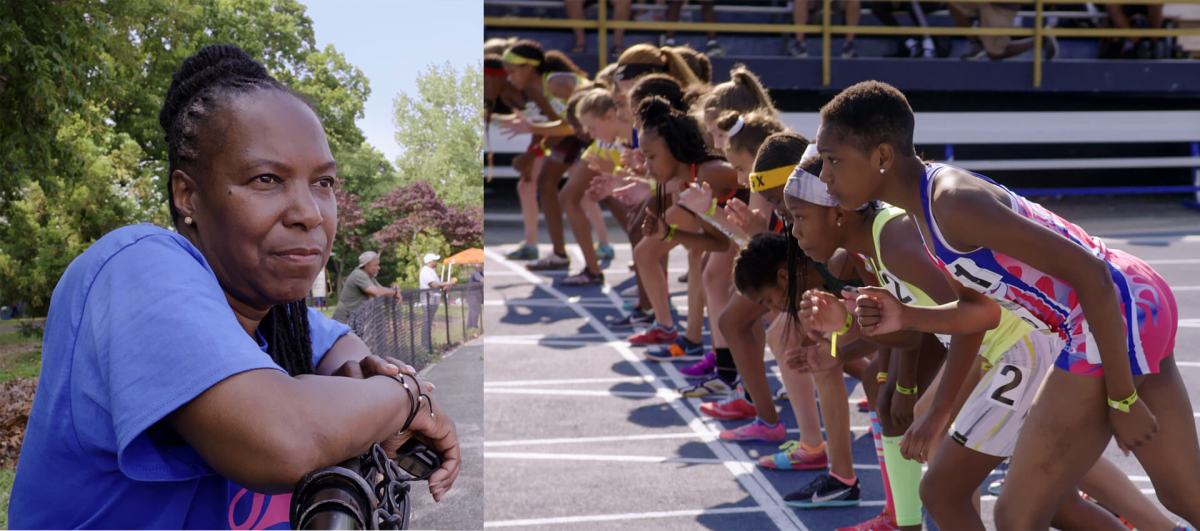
[{"x": 392, "y": 41}]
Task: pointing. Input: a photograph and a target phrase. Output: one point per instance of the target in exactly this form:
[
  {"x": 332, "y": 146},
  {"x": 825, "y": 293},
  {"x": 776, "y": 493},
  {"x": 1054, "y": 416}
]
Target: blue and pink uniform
[{"x": 1051, "y": 305}]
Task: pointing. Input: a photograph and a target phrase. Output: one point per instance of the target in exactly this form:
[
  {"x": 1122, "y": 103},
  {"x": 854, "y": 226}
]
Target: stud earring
[
  {"x": 880, "y": 170},
  {"x": 187, "y": 220}
]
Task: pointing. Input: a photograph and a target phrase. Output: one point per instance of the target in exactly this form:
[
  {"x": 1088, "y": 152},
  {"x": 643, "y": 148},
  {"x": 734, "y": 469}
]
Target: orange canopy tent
[{"x": 467, "y": 257}]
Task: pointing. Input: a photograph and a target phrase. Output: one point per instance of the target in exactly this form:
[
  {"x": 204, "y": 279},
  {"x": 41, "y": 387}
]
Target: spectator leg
[
  {"x": 621, "y": 11},
  {"x": 853, "y": 14},
  {"x": 674, "y": 10},
  {"x": 575, "y": 12},
  {"x": 800, "y": 16},
  {"x": 1118, "y": 19},
  {"x": 708, "y": 11}
]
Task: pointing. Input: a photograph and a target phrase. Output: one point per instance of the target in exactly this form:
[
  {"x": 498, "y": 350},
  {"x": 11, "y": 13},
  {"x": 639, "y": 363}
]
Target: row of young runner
[{"x": 982, "y": 326}]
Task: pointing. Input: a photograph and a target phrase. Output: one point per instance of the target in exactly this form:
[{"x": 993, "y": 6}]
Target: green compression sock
[{"x": 905, "y": 478}]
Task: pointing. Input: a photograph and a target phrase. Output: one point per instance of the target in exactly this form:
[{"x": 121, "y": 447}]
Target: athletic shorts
[
  {"x": 991, "y": 419},
  {"x": 1146, "y": 302}
]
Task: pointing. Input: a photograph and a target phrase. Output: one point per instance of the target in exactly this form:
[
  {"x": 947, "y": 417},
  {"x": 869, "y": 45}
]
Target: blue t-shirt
[{"x": 138, "y": 327}]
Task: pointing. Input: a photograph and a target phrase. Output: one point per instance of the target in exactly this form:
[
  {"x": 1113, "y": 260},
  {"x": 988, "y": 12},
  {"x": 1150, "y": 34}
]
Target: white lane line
[
  {"x": 1174, "y": 261},
  {"x": 622, "y": 458},
  {"x": 746, "y": 473},
  {"x": 569, "y": 381},
  {"x": 1188, "y": 363},
  {"x": 585, "y": 440},
  {"x": 1191, "y": 238},
  {"x": 568, "y": 392},
  {"x": 565, "y": 343},
  {"x": 1189, "y": 323},
  {"x": 583, "y": 335},
  {"x": 620, "y": 438},
  {"x": 563, "y": 520},
  {"x": 1185, "y": 288},
  {"x": 613, "y": 458}
]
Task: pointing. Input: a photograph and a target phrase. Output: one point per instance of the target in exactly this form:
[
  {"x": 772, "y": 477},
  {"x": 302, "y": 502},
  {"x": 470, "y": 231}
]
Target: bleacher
[{"x": 1128, "y": 132}]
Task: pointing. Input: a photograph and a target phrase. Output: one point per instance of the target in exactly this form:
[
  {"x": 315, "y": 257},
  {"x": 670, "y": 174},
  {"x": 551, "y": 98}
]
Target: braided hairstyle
[
  {"x": 205, "y": 82},
  {"x": 681, "y": 134},
  {"x": 661, "y": 85}
]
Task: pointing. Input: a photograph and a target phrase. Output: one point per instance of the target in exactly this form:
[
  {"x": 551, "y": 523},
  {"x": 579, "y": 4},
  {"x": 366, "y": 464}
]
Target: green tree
[{"x": 441, "y": 131}]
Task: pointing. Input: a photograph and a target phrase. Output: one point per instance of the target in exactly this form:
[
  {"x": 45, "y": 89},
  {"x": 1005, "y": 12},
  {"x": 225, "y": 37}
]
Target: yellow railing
[{"x": 827, "y": 30}]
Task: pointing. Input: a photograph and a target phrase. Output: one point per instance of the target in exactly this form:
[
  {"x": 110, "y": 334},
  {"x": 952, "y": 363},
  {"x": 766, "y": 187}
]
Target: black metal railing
[{"x": 422, "y": 325}]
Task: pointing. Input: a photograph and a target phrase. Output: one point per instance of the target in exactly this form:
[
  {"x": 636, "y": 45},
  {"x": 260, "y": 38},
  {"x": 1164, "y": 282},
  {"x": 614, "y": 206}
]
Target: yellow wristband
[
  {"x": 712, "y": 209},
  {"x": 906, "y": 390},
  {"x": 846, "y": 326},
  {"x": 671, "y": 229},
  {"x": 881, "y": 377},
  {"x": 1123, "y": 405}
]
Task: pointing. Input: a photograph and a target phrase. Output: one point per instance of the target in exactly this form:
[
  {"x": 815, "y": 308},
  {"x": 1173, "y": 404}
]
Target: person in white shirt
[{"x": 429, "y": 281}]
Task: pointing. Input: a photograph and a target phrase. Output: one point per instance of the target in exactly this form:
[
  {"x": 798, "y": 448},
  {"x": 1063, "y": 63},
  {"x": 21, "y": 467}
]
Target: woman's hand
[
  {"x": 601, "y": 187},
  {"x": 379, "y": 366},
  {"x": 878, "y": 310},
  {"x": 653, "y": 226},
  {"x": 750, "y": 221},
  {"x": 697, "y": 198},
  {"x": 598, "y": 164},
  {"x": 516, "y": 125},
  {"x": 632, "y": 192},
  {"x": 822, "y": 312},
  {"x": 634, "y": 160},
  {"x": 437, "y": 431},
  {"x": 811, "y": 356},
  {"x": 1135, "y": 428},
  {"x": 925, "y": 432}
]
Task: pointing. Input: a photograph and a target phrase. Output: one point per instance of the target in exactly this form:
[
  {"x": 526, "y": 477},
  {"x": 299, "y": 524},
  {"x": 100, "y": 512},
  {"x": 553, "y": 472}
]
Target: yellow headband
[
  {"x": 774, "y": 178},
  {"x": 512, "y": 58}
]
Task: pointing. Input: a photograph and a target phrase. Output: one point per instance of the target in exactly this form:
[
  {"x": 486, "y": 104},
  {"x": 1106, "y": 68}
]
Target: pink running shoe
[
  {"x": 736, "y": 408},
  {"x": 756, "y": 431},
  {"x": 883, "y": 522},
  {"x": 792, "y": 456},
  {"x": 705, "y": 368}
]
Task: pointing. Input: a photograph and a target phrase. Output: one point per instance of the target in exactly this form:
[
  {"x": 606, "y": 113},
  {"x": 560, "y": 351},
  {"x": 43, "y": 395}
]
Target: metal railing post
[
  {"x": 602, "y": 33},
  {"x": 826, "y": 43},
  {"x": 1038, "y": 24},
  {"x": 446, "y": 303},
  {"x": 412, "y": 332}
]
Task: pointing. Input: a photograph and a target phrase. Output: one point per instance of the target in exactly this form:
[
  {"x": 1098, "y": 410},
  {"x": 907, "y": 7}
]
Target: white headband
[
  {"x": 805, "y": 186},
  {"x": 737, "y": 127}
]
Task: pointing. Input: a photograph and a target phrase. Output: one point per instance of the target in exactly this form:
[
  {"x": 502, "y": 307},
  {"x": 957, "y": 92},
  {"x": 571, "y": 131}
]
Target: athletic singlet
[
  {"x": 606, "y": 150},
  {"x": 834, "y": 284},
  {"x": 995, "y": 342},
  {"x": 1049, "y": 304}
]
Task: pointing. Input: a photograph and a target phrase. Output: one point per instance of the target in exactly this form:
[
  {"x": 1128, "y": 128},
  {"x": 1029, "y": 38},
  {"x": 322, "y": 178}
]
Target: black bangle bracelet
[{"x": 414, "y": 403}]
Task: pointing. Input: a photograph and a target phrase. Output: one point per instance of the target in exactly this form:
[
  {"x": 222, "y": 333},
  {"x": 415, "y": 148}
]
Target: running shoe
[
  {"x": 756, "y": 431},
  {"x": 883, "y": 522},
  {"x": 655, "y": 335},
  {"x": 524, "y": 252},
  {"x": 708, "y": 388},
  {"x": 583, "y": 278},
  {"x": 864, "y": 406},
  {"x": 848, "y": 50},
  {"x": 796, "y": 48},
  {"x": 793, "y": 456},
  {"x": 825, "y": 491},
  {"x": 995, "y": 487},
  {"x": 605, "y": 252},
  {"x": 681, "y": 350},
  {"x": 713, "y": 49},
  {"x": 550, "y": 263},
  {"x": 735, "y": 408},
  {"x": 635, "y": 318},
  {"x": 705, "y": 368}
]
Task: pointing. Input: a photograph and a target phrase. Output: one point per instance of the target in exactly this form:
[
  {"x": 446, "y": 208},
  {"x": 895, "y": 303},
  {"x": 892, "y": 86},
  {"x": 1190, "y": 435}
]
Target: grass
[
  {"x": 20, "y": 357},
  {"x": 6, "y": 483}
]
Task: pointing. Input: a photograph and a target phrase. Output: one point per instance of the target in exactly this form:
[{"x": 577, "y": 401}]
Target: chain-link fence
[{"x": 422, "y": 325}]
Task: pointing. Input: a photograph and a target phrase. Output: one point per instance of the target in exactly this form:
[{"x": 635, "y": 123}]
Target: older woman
[{"x": 183, "y": 377}]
